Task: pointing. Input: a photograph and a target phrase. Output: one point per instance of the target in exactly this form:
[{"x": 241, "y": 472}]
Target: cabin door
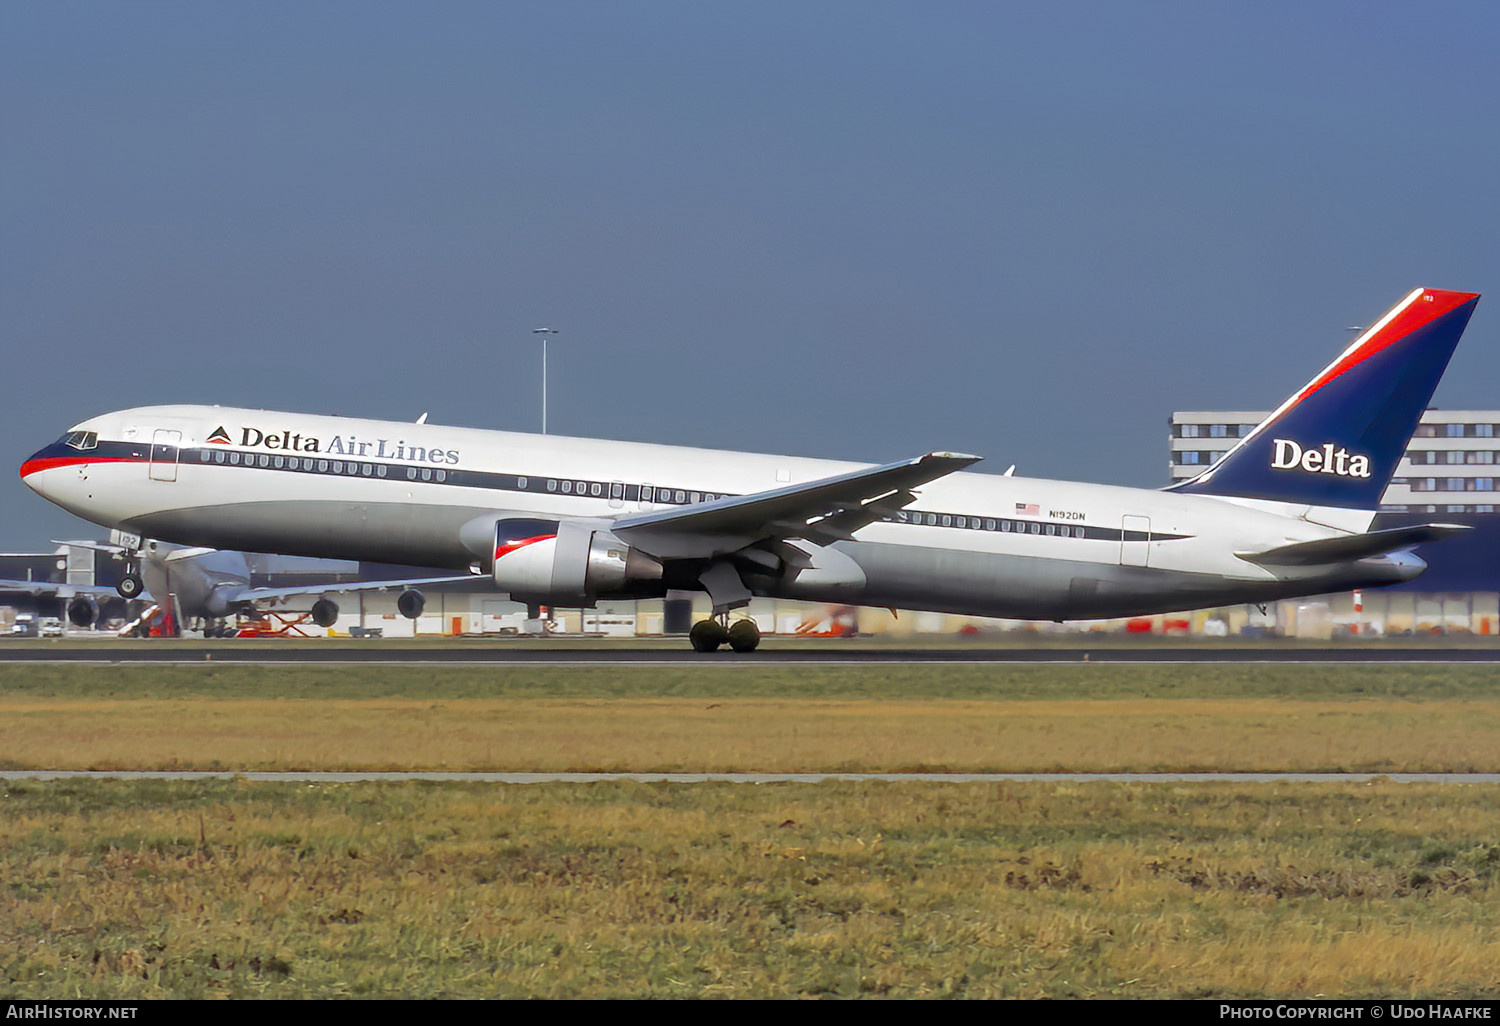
[
  {"x": 1135, "y": 541},
  {"x": 164, "y": 454}
]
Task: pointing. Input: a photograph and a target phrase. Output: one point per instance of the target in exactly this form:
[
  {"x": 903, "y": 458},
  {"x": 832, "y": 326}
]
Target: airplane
[
  {"x": 561, "y": 521},
  {"x": 206, "y": 585}
]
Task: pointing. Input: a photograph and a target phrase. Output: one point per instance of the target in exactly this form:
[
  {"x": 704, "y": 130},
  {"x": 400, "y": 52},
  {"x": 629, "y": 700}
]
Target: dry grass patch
[
  {"x": 149, "y": 889},
  {"x": 750, "y": 734}
]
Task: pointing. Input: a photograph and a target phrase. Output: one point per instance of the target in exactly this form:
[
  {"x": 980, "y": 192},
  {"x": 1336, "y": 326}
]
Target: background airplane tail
[{"x": 1337, "y": 441}]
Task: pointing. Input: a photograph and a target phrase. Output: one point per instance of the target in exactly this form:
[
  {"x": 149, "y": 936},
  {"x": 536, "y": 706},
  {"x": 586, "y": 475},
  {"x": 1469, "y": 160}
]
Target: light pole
[{"x": 544, "y": 332}]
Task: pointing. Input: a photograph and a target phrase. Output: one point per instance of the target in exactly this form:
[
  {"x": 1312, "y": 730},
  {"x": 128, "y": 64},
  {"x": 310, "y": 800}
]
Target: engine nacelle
[
  {"x": 410, "y": 603},
  {"x": 579, "y": 563},
  {"x": 325, "y": 612},
  {"x": 83, "y": 611}
]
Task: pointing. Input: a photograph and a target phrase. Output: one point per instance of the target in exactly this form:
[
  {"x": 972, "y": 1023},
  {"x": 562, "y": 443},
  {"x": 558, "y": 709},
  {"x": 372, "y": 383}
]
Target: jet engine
[
  {"x": 325, "y": 612},
  {"x": 573, "y": 564},
  {"x": 83, "y": 611},
  {"x": 410, "y": 603}
]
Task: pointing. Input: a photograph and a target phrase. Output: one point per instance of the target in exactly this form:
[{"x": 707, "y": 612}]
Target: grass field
[
  {"x": 753, "y": 718},
  {"x": 232, "y": 888}
]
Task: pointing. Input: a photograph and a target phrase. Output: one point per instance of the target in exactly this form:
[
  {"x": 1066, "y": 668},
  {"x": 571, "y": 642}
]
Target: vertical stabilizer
[{"x": 1337, "y": 441}]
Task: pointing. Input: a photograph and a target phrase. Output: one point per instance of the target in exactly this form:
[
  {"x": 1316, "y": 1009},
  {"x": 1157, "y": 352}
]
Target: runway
[
  {"x": 761, "y": 778},
  {"x": 525, "y": 653}
]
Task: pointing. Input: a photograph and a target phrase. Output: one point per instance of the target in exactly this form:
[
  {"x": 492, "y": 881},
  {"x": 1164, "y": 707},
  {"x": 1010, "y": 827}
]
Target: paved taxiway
[{"x": 526, "y": 653}]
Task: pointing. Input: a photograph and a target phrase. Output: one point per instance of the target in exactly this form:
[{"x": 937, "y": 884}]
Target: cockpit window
[{"x": 82, "y": 439}]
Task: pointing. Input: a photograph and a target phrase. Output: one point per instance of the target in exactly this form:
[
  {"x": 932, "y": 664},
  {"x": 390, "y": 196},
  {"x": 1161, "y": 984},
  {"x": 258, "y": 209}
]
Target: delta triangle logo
[{"x": 219, "y": 436}]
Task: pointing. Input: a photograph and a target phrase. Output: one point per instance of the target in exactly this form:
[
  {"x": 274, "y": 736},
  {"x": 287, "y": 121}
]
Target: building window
[{"x": 1189, "y": 431}]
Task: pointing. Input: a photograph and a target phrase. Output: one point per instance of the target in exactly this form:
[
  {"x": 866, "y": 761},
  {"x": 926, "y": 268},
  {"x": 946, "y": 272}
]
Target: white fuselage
[{"x": 406, "y": 493}]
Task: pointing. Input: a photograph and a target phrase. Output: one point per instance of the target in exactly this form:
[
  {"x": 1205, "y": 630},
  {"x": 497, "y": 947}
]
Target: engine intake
[
  {"x": 577, "y": 563},
  {"x": 83, "y": 611}
]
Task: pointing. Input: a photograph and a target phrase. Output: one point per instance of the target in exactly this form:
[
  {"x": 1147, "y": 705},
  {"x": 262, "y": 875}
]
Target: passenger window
[
  {"x": 426, "y": 474},
  {"x": 595, "y": 489},
  {"x": 567, "y": 487}
]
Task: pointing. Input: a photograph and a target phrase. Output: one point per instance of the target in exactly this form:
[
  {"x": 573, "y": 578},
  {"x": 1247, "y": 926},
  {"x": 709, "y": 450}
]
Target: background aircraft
[{"x": 204, "y": 586}]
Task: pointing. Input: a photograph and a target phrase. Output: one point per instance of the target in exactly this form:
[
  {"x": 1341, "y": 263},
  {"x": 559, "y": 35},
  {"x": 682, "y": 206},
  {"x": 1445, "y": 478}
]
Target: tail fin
[{"x": 1337, "y": 441}]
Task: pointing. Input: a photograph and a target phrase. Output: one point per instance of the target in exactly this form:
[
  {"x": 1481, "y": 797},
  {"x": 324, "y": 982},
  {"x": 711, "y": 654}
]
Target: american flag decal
[{"x": 1027, "y": 509}]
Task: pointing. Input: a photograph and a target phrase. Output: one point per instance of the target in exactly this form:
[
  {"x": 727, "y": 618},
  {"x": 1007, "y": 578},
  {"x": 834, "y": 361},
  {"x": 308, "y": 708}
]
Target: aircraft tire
[
  {"x": 744, "y": 636},
  {"x": 707, "y": 636},
  {"x": 130, "y": 586}
]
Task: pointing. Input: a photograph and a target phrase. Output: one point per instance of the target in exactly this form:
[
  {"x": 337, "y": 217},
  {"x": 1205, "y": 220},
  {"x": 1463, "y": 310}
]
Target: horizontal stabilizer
[{"x": 1348, "y": 548}]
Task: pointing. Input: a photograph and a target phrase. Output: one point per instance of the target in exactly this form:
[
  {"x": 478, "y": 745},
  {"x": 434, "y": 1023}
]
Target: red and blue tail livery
[{"x": 1337, "y": 441}]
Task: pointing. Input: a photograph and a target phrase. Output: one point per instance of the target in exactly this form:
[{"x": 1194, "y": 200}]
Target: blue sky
[{"x": 860, "y": 230}]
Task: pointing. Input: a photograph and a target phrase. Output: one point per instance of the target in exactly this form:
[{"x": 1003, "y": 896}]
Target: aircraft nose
[{"x": 37, "y": 461}]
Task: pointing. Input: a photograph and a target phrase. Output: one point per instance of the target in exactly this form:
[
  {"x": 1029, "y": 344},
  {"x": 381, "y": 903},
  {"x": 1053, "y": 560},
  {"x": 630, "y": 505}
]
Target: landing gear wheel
[
  {"x": 130, "y": 587},
  {"x": 707, "y": 635},
  {"x": 744, "y": 636}
]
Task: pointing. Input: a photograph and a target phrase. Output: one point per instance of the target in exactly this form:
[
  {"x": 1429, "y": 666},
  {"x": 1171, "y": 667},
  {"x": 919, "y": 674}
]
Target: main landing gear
[{"x": 708, "y": 635}]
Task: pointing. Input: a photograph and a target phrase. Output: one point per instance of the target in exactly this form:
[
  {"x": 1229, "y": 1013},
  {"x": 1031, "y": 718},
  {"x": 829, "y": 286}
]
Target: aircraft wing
[
  {"x": 822, "y": 511},
  {"x": 276, "y": 594},
  {"x": 1353, "y": 546},
  {"x": 56, "y": 588}
]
